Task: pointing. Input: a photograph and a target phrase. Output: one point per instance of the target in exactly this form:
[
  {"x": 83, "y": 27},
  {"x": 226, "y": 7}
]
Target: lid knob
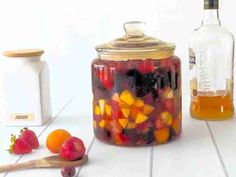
[{"x": 134, "y": 29}]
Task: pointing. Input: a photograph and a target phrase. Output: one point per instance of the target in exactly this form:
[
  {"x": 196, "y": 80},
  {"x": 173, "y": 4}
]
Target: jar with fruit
[{"x": 136, "y": 82}]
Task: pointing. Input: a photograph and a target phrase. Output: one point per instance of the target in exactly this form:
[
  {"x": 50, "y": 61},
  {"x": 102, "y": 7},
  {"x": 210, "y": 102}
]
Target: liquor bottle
[{"x": 211, "y": 56}]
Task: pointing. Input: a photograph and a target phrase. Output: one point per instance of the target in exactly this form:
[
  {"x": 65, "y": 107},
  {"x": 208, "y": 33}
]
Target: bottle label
[
  {"x": 192, "y": 59},
  {"x": 210, "y": 71},
  {"x": 22, "y": 117}
]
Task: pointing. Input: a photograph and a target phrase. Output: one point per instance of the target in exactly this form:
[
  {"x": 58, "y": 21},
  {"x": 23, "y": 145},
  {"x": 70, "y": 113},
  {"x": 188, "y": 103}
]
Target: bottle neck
[{"x": 211, "y": 17}]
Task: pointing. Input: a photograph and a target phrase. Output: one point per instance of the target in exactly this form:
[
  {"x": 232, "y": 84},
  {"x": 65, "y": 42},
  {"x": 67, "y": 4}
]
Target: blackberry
[
  {"x": 172, "y": 134},
  {"x": 149, "y": 80},
  {"x": 133, "y": 72},
  {"x": 154, "y": 93},
  {"x": 148, "y": 137},
  {"x": 141, "y": 91}
]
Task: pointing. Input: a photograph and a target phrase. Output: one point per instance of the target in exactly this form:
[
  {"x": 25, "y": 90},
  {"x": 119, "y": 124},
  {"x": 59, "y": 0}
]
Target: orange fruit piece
[
  {"x": 147, "y": 109},
  {"x": 162, "y": 135},
  {"x": 55, "y": 140},
  {"x": 166, "y": 118},
  {"x": 141, "y": 118},
  {"x": 127, "y": 97},
  {"x": 134, "y": 112},
  {"x": 177, "y": 125}
]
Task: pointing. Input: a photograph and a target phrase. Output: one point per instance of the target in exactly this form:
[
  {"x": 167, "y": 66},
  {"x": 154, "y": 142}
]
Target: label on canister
[{"x": 22, "y": 116}]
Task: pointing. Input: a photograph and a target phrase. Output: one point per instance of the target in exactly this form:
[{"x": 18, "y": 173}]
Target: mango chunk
[
  {"x": 123, "y": 123},
  {"x": 140, "y": 118},
  {"x": 131, "y": 125},
  {"x": 162, "y": 135},
  {"x": 147, "y": 109},
  {"x": 138, "y": 103},
  {"x": 176, "y": 125},
  {"x": 97, "y": 110},
  {"x": 127, "y": 97},
  {"x": 166, "y": 118},
  {"x": 108, "y": 110},
  {"x": 94, "y": 124},
  {"x": 168, "y": 94},
  {"x": 134, "y": 112},
  {"x": 115, "y": 97},
  {"x": 102, "y": 123},
  {"x": 125, "y": 112},
  {"x": 123, "y": 105},
  {"x": 102, "y": 103}
]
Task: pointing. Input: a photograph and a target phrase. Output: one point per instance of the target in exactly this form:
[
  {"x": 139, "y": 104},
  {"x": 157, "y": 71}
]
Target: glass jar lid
[{"x": 135, "y": 45}]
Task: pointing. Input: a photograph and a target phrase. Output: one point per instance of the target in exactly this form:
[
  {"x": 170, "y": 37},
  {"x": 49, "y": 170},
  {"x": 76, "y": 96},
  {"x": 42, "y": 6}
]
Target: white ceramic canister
[{"x": 24, "y": 88}]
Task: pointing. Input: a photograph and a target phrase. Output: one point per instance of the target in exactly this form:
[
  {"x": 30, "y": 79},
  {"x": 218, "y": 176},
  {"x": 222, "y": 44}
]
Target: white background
[{"x": 68, "y": 31}]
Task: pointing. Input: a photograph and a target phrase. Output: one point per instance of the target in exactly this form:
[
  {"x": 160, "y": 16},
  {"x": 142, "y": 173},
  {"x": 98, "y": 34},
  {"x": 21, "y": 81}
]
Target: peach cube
[
  {"x": 102, "y": 123},
  {"x": 127, "y": 97},
  {"x": 123, "y": 122},
  {"x": 166, "y": 118},
  {"x": 147, "y": 109},
  {"x": 102, "y": 106},
  {"x": 138, "y": 103},
  {"x": 141, "y": 118},
  {"x": 125, "y": 112},
  {"x": 108, "y": 109},
  {"x": 97, "y": 110},
  {"x": 162, "y": 135}
]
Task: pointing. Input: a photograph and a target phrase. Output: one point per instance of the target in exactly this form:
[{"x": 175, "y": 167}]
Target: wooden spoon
[{"x": 46, "y": 162}]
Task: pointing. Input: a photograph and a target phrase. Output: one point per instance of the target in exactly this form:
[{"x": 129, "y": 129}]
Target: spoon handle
[{"x": 18, "y": 166}]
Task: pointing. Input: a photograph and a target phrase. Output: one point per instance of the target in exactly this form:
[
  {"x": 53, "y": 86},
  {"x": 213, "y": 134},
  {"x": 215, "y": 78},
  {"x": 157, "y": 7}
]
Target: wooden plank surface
[
  {"x": 193, "y": 154},
  {"x": 224, "y": 134}
]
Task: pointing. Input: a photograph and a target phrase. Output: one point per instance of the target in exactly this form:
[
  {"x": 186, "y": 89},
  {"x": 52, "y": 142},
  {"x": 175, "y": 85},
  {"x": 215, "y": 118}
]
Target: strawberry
[
  {"x": 106, "y": 78},
  {"x": 19, "y": 146},
  {"x": 147, "y": 67},
  {"x": 169, "y": 105},
  {"x": 30, "y": 137},
  {"x": 72, "y": 149},
  {"x": 159, "y": 124}
]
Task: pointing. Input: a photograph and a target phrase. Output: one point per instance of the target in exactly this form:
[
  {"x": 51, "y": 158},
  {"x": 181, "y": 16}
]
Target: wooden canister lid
[{"x": 24, "y": 53}]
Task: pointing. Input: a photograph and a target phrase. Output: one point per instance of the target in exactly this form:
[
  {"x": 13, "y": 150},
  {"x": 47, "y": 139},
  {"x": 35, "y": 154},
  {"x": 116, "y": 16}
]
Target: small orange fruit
[{"x": 55, "y": 140}]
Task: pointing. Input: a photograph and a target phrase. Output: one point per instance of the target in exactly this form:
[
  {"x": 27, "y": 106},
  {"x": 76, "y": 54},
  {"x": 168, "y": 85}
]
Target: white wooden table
[{"x": 205, "y": 149}]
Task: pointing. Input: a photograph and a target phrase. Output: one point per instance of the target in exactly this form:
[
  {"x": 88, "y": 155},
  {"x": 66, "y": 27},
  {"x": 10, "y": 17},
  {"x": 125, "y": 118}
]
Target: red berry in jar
[{"x": 136, "y": 90}]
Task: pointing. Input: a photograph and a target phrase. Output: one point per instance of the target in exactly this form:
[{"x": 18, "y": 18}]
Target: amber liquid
[{"x": 212, "y": 107}]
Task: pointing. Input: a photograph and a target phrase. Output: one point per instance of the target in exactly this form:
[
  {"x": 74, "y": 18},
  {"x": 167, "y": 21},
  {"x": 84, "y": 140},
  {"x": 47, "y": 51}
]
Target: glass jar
[{"x": 136, "y": 82}]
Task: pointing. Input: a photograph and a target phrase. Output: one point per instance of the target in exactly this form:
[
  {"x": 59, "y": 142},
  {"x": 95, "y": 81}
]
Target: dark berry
[
  {"x": 172, "y": 134},
  {"x": 123, "y": 82},
  {"x": 154, "y": 93},
  {"x": 68, "y": 171},
  {"x": 148, "y": 137},
  {"x": 149, "y": 80},
  {"x": 141, "y": 91},
  {"x": 133, "y": 72},
  {"x": 107, "y": 133}
]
